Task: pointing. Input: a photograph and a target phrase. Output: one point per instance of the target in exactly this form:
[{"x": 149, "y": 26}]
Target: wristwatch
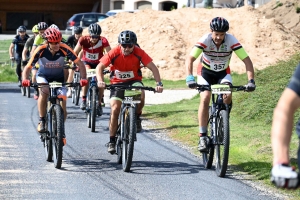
[
  {"x": 251, "y": 81},
  {"x": 159, "y": 84}
]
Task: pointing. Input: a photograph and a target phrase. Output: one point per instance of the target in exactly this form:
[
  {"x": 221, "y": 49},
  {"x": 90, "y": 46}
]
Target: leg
[
  {"x": 70, "y": 80},
  {"x": 139, "y": 113},
  {"x": 36, "y": 90},
  {"x": 113, "y": 124},
  {"x": 84, "y": 92},
  {"x": 42, "y": 107},
  {"x": 202, "y": 117},
  {"x": 19, "y": 70}
]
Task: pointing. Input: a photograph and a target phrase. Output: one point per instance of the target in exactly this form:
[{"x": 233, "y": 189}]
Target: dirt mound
[{"x": 168, "y": 37}]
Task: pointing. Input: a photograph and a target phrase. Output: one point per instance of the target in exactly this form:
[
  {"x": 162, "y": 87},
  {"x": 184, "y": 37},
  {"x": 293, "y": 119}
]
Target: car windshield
[{"x": 101, "y": 17}]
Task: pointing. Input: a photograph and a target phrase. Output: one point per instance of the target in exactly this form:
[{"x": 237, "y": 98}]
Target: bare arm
[
  {"x": 189, "y": 64},
  {"x": 249, "y": 68},
  {"x": 99, "y": 72},
  {"x": 11, "y": 50},
  {"x": 32, "y": 50},
  {"x": 24, "y": 52},
  {"x": 283, "y": 120},
  {"x": 26, "y": 72},
  {"x": 107, "y": 49},
  {"x": 82, "y": 69},
  {"x": 77, "y": 48},
  {"x": 155, "y": 71}
]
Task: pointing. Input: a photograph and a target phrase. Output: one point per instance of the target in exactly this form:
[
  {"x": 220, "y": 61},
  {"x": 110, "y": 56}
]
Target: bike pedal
[{"x": 64, "y": 141}]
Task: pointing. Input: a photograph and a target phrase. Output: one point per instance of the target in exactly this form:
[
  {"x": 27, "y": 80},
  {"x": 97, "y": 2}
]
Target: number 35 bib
[
  {"x": 124, "y": 75},
  {"x": 218, "y": 65}
]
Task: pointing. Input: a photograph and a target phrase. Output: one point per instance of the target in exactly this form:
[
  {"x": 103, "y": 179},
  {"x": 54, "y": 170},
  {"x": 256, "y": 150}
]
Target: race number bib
[
  {"x": 92, "y": 56},
  {"x": 218, "y": 65},
  {"x": 124, "y": 75}
]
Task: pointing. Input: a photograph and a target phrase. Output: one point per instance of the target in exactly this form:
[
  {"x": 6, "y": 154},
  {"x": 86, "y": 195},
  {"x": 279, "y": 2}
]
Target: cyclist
[
  {"x": 124, "y": 62},
  {"x": 216, "y": 49},
  {"x": 92, "y": 47},
  {"x": 282, "y": 174},
  {"x": 72, "y": 41},
  {"x": 17, "y": 45},
  {"x": 38, "y": 40},
  {"x": 51, "y": 57}
]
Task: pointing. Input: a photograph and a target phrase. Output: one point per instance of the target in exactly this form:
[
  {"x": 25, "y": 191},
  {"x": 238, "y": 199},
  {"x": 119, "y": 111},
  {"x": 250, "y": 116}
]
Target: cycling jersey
[
  {"x": 71, "y": 41},
  {"x": 125, "y": 68},
  {"x": 51, "y": 66},
  {"x": 29, "y": 43},
  {"x": 217, "y": 59},
  {"x": 92, "y": 54},
  {"x": 19, "y": 43},
  {"x": 294, "y": 83},
  {"x": 38, "y": 40}
]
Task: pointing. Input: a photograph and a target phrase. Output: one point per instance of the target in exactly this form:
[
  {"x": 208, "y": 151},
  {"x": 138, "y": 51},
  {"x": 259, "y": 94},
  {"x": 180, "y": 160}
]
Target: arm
[
  {"x": 107, "y": 49},
  {"x": 153, "y": 68},
  {"x": 283, "y": 120},
  {"x": 11, "y": 50},
  {"x": 26, "y": 72},
  {"x": 82, "y": 69},
  {"x": 99, "y": 73},
  {"x": 249, "y": 67},
  {"x": 24, "y": 52},
  {"x": 189, "y": 64},
  {"x": 77, "y": 48},
  {"x": 32, "y": 50}
]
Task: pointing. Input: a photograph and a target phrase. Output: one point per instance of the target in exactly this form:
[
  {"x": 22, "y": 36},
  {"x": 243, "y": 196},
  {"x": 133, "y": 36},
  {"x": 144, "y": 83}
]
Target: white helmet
[{"x": 54, "y": 26}]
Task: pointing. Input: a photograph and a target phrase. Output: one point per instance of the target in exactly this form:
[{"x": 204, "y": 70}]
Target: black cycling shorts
[{"x": 119, "y": 94}]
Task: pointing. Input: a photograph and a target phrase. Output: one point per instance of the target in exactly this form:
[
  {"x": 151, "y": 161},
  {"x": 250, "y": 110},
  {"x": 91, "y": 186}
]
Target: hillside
[{"x": 267, "y": 34}]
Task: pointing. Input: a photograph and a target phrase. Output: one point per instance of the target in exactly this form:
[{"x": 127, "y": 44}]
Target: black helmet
[
  {"x": 219, "y": 24},
  {"x": 22, "y": 29},
  {"x": 127, "y": 37},
  {"x": 77, "y": 30},
  {"x": 42, "y": 26},
  {"x": 95, "y": 29}
]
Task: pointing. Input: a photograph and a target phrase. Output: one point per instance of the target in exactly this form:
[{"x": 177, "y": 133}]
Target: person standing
[
  {"x": 192, "y": 4},
  {"x": 16, "y": 49}
]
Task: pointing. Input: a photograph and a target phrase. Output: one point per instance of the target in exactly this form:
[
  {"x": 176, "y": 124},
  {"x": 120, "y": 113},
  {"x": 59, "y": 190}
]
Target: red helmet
[{"x": 52, "y": 35}]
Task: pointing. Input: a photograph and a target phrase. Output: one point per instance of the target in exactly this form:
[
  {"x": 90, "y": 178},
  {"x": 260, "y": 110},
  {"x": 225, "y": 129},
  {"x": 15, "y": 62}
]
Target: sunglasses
[
  {"x": 127, "y": 45},
  {"x": 54, "y": 43},
  {"x": 95, "y": 36}
]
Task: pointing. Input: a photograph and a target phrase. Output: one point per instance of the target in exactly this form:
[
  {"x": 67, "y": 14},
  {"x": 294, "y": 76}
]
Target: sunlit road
[{"x": 160, "y": 169}]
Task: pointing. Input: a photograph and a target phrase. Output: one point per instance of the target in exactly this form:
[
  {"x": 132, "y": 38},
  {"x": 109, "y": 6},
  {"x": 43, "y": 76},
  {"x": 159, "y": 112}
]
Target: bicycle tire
[
  {"x": 94, "y": 108},
  {"x": 88, "y": 109},
  {"x": 28, "y": 92},
  {"x": 73, "y": 95},
  {"x": 23, "y": 91},
  {"x": 119, "y": 148},
  {"x": 57, "y": 135},
  {"x": 223, "y": 140},
  {"x": 208, "y": 156},
  {"x": 47, "y": 142},
  {"x": 128, "y": 140},
  {"x": 77, "y": 94}
]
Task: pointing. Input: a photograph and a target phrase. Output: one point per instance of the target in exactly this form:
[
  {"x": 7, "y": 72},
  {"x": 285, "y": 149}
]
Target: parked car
[
  {"x": 114, "y": 12},
  {"x": 86, "y": 18}
]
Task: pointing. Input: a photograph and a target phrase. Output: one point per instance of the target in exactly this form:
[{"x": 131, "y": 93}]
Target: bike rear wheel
[
  {"x": 57, "y": 134},
  {"x": 119, "y": 148},
  {"x": 223, "y": 140},
  {"x": 28, "y": 92},
  {"x": 93, "y": 109},
  {"x": 208, "y": 156},
  {"x": 128, "y": 138},
  {"x": 88, "y": 109}
]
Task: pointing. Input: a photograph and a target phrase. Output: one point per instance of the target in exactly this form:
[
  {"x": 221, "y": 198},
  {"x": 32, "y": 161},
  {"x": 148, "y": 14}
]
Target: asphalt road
[{"x": 160, "y": 169}]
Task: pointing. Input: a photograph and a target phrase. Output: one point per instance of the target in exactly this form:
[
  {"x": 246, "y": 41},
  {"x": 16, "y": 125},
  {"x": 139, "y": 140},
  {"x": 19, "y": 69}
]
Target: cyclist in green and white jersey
[{"x": 216, "y": 50}]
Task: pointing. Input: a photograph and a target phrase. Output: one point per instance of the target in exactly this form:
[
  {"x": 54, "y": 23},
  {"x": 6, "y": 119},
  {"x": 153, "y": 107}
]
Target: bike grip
[
  {"x": 25, "y": 83},
  {"x": 83, "y": 82}
]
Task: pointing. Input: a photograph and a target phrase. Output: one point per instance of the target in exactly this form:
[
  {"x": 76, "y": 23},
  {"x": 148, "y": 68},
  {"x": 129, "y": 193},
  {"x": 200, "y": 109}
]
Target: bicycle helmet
[
  {"x": 77, "y": 30},
  {"x": 127, "y": 37},
  {"x": 52, "y": 35},
  {"x": 95, "y": 29},
  {"x": 42, "y": 26},
  {"x": 219, "y": 24},
  {"x": 54, "y": 26},
  {"x": 35, "y": 29},
  {"x": 22, "y": 29}
]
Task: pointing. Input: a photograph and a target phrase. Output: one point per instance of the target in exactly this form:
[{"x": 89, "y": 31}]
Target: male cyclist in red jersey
[
  {"x": 51, "y": 59},
  {"x": 216, "y": 50},
  {"x": 125, "y": 63},
  {"x": 92, "y": 47}
]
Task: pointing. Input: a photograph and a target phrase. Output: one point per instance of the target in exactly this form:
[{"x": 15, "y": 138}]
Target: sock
[
  {"x": 112, "y": 139},
  {"x": 42, "y": 119},
  {"x": 83, "y": 98}
]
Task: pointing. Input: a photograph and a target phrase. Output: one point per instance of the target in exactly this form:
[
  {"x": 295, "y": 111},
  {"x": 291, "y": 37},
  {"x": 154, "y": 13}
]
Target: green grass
[
  {"x": 250, "y": 121},
  {"x": 4, "y": 55}
]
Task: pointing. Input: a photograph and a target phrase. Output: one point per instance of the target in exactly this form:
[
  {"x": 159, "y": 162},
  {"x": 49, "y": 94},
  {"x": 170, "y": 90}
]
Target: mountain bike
[
  {"x": 54, "y": 137},
  {"x": 218, "y": 127},
  {"x": 126, "y": 131},
  {"x": 92, "y": 98}
]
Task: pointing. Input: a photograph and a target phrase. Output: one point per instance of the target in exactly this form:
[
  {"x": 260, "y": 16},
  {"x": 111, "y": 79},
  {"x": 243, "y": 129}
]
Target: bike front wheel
[
  {"x": 208, "y": 156},
  {"x": 57, "y": 124},
  {"x": 28, "y": 92},
  {"x": 223, "y": 140},
  {"x": 93, "y": 108},
  {"x": 128, "y": 138},
  {"x": 23, "y": 91}
]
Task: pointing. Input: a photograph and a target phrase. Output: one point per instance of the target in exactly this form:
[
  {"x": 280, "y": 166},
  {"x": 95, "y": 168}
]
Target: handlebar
[
  {"x": 39, "y": 85},
  {"x": 210, "y": 87},
  {"x": 125, "y": 87}
]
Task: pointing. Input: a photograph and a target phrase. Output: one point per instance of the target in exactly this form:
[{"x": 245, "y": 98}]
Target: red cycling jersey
[
  {"x": 92, "y": 54},
  {"x": 125, "y": 68}
]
